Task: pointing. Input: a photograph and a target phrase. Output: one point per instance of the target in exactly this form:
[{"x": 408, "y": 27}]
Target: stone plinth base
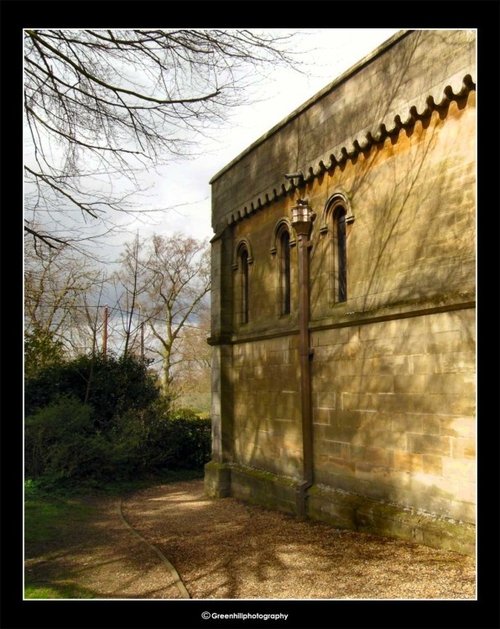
[
  {"x": 359, "y": 513},
  {"x": 339, "y": 508},
  {"x": 217, "y": 480}
]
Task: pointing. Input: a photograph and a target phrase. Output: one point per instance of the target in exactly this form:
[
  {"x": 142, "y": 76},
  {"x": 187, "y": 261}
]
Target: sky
[{"x": 184, "y": 187}]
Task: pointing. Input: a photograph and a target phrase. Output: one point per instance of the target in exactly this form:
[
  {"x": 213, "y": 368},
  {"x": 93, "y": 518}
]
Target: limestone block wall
[
  {"x": 264, "y": 309},
  {"x": 393, "y": 366},
  {"x": 267, "y": 426},
  {"x": 413, "y": 236},
  {"x": 394, "y": 411},
  {"x": 412, "y": 67}
]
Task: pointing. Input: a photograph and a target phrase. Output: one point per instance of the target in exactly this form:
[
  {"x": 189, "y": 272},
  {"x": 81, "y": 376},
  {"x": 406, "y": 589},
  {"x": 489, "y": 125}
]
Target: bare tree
[
  {"x": 168, "y": 278},
  {"x": 61, "y": 296},
  {"x": 193, "y": 381},
  {"x": 84, "y": 334},
  {"x": 130, "y": 282},
  {"x": 101, "y": 104},
  {"x": 180, "y": 272}
]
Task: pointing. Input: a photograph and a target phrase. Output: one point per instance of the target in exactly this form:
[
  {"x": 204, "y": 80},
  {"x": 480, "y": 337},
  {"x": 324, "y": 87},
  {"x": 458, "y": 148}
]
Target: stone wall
[
  {"x": 393, "y": 366},
  {"x": 394, "y": 412},
  {"x": 267, "y": 423},
  {"x": 401, "y": 74}
]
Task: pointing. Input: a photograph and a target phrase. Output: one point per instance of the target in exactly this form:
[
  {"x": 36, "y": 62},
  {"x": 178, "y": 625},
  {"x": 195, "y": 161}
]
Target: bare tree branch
[
  {"x": 168, "y": 277},
  {"x": 116, "y": 100}
]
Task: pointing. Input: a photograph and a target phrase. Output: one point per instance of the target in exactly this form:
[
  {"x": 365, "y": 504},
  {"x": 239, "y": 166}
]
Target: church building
[{"x": 343, "y": 301}]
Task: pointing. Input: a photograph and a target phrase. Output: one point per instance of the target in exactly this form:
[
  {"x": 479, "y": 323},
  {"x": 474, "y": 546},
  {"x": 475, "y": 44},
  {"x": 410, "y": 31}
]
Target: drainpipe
[{"x": 302, "y": 219}]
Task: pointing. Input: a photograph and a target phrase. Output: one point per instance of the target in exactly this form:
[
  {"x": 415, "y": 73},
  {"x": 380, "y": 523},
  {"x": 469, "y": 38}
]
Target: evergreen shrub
[{"x": 105, "y": 419}]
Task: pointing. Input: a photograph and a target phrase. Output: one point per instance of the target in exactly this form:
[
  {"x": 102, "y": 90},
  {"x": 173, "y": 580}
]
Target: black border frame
[{"x": 483, "y": 15}]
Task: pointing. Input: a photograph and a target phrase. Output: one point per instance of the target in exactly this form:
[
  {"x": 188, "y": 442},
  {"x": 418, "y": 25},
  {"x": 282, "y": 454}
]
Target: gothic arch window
[
  {"x": 244, "y": 286},
  {"x": 242, "y": 259},
  {"x": 336, "y": 217},
  {"x": 281, "y": 245},
  {"x": 285, "y": 283},
  {"x": 340, "y": 252}
]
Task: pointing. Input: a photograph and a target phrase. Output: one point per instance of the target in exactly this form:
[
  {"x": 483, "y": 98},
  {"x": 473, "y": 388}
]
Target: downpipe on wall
[{"x": 302, "y": 219}]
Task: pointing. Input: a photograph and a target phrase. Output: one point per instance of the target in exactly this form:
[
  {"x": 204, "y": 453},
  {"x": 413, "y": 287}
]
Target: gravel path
[{"x": 224, "y": 549}]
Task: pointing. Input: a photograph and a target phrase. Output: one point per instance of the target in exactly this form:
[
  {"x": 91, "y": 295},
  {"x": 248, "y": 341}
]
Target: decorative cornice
[
  {"x": 456, "y": 89},
  {"x": 345, "y": 76}
]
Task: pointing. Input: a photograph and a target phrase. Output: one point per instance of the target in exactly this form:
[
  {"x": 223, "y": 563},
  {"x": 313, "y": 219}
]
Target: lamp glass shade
[{"x": 301, "y": 213}]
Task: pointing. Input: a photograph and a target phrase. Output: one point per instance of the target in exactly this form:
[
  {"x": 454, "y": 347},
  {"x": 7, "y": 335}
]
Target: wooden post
[{"x": 105, "y": 332}]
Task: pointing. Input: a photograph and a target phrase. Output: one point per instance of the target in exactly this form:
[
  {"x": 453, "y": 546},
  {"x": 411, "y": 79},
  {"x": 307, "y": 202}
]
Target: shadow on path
[{"x": 224, "y": 549}]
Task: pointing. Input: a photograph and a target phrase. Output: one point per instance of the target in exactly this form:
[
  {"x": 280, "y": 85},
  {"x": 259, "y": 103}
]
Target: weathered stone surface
[
  {"x": 362, "y": 514},
  {"x": 217, "y": 480},
  {"x": 264, "y": 488},
  {"x": 393, "y": 366}
]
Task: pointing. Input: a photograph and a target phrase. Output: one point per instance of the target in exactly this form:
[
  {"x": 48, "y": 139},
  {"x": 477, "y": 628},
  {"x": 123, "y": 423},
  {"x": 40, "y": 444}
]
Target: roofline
[{"x": 328, "y": 88}]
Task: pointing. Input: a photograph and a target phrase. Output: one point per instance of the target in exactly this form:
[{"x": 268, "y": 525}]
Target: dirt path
[
  {"x": 226, "y": 549},
  {"x": 102, "y": 559}
]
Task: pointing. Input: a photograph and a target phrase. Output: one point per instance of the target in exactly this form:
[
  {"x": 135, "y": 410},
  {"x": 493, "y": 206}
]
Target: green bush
[
  {"x": 103, "y": 418},
  {"x": 110, "y": 386},
  {"x": 190, "y": 441},
  {"x": 151, "y": 441},
  {"x": 62, "y": 443}
]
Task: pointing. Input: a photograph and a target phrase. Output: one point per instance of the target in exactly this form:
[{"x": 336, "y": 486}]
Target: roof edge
[
  {"x": 376, "y": 52},
  {"x": 439, "y": 99}
]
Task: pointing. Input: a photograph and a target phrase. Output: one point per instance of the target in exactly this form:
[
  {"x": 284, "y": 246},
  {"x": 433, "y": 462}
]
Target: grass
[
  {"x": 47, "y": 515},
  {"x": 49, "y": 509},
  {"x": 53, "y": 511},
  {"x": 57, "y": 590},
  {"x": 48, "y": 518}
]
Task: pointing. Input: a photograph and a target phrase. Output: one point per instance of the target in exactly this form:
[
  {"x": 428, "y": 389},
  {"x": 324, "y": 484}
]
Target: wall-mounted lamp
[{"x": 302, "y": 217}]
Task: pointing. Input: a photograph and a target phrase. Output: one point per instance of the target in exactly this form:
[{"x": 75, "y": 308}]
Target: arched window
[
  {"x": 335, "y": 218},
  {"x": 282, "y": 242},
  {"x": 339, "y": 218},
  {"x": 242, "y": 259},
  {"x": 244, "y": 286},
  {"x": 285, "y": 272}
]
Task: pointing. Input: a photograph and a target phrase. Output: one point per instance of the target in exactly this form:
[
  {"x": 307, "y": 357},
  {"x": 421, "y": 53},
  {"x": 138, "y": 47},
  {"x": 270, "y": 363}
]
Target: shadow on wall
[
  {"x": 267, "y": 404},
  {"x": 402, "y": 424},
  {"x": 399, "y": 422}
]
